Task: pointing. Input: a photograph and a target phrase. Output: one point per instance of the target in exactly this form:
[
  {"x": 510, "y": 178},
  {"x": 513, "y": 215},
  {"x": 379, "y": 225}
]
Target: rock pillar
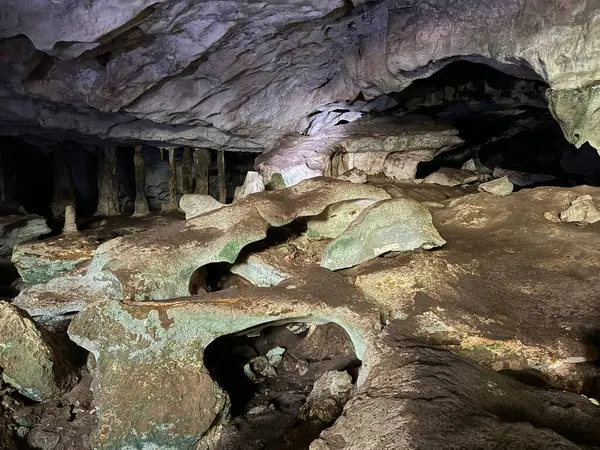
[
  {"x": 141, "y": 202},
  {"x": 108, "y": 188},
  {"x": 64, "y": 187},
  {"x": 186, "y": 171},
  {"x": 171, "y": 203},
  {"x": 70, "y": 226},
  {"x": 201, "y": 170},
  {"x": 221, "y": 179}
]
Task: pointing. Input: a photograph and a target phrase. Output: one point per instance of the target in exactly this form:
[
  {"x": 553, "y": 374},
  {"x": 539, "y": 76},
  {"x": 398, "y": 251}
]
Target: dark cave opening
[
  {"x": 505, "y": 123},
  {"x": 268, "y": 373}
]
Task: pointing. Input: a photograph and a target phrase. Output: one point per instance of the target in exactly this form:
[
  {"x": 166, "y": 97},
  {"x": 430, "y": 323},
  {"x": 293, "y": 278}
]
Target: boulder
[
  {"x": 15, "y": 229},
  {"x": 447, "y": 176},
  {"x": 336, "y": 218},
  {"x": 582, "y": 209},
  {"x": 393, "y": 225},
  {"x": 500, "y": 187},
  {"x": 31, "y": 360},
  {"x": 353, "y": 176},
  {"x": 40, "y": 261},
  {"x": 170, "y": 399},
  {"x": 252, "y": 184},
  {"x": 485, "y": 297},
  {"x": 194, "y": 205},
  {"x": 329, "y": 395},
  {"x": 521, "y": 178},
  {"x": 419, "y": 397}
]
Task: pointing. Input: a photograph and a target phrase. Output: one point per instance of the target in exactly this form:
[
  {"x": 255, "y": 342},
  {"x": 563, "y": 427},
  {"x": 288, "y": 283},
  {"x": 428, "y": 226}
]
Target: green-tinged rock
[
  {"x": 152, "y": 389},
  {"x": 40, "y": 261},
  {"x": 15, "y": 229},
  {"x": 336, "y": 218},
  {"x": 501, "y": 187},
  {"x": 389, "y": 226},
  {"x": 30, "y": 359}
]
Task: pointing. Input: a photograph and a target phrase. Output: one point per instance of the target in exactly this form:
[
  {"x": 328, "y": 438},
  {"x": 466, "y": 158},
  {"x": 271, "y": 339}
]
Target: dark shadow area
[{"x": 268, "y": 374}]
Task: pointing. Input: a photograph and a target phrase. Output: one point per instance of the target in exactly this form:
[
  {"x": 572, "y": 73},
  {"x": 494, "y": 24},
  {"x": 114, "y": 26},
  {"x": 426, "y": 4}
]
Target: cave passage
[{"x": 269, "y": 373}]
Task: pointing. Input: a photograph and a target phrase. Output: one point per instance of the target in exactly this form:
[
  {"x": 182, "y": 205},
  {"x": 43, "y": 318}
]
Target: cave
[{"x": 325, "y": 225}]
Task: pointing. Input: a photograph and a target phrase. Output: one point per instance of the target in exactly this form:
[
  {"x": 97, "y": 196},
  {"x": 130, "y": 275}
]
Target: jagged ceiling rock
[{"x": 241, "y": 74}]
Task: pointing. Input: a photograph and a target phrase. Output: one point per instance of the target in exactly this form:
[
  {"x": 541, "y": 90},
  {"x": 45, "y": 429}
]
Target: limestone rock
[
  {"x": 447, "y": 176},
  {"x": 522, "y": 178},
  {"x": 29, "y": 358},
  {"x": 335, "y": 219},
  {"x": 195, "y": 205},
  {"x": 486, "y": 298},
  {"x": 582, "y": 209},
  {"x": 40, "y": 261},
  {"x": 500, "y": 186},
  {"x": 252, "y": 184},
  {"x": 354, "y": 176},
  {"x": 421, "y": 397},
  {"x": 159, "y": 347},
  {"x": 363, "y": 145},
  {"x": 15, "y": 229},
  {"x": 388, "y": 226},
  {"x": 329, "y": 395}
]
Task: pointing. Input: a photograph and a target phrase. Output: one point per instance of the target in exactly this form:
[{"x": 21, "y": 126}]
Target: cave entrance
[
  {"x": 269, "y": 373},
  {"x": 505, "y": 123}
]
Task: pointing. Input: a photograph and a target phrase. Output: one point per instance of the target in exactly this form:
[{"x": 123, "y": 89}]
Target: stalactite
[
  {"x": 186, "y": 171},
  {"x": 222, "y": 184},
  {"x": 70, "y": 226},
  {"x": 141, "y": 202},
  {"x": 108, "y": 188},
  {"x": 171, "y": 203},
  {"x": 64, "y": 188},
  {"x": 201, "y": 170}
]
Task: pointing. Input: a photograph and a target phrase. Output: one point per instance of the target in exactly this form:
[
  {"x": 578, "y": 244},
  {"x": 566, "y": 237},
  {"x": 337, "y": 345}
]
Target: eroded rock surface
[{"x": 15, "y": 229}]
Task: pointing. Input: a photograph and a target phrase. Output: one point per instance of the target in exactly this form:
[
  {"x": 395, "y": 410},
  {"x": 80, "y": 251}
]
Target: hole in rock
[{"x": 269, "y": 373}]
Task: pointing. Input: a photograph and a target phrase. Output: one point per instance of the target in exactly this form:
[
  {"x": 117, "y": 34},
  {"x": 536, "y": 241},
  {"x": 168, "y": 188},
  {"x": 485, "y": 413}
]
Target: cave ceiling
[{"x": 240, "y": 75}]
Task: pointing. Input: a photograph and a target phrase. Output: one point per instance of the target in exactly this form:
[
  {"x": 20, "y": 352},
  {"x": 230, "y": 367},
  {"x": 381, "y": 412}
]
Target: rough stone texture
[
  {"x": 388, "y": 226},
  {"x": 15, "y": 229},
  {"x": 108, "y": 188},
  {"x": 582, "y": 209},
  {"x": 354, "y": 176},
  {"x": 252, "y": 184},
  {"x": 141, "y": 202},
  {"x": 170, "y": 399},
  {"x": 366, "y": 145},
  {"x": 521, "y": 178},
  {"x": 70, "y": 226},
  {"x": 40, "y": 261},
  {"x": 326, "y": 400},
  {"x": 336, "y": 218},
  {"x": 213, "y": 75},
  {"x": 30, "y": 360},
  {"x": 500, "y": 187},
  {"x": 448, "y": 176},
  {"x": 194, "y": 205},
  {"x": 421, "y": 397},
  {"x": 510, "y": 289}
]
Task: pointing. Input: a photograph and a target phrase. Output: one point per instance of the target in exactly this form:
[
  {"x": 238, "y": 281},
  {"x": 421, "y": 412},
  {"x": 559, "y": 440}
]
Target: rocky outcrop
[
  {"x": 393, "y": 146},
  {"x": 511, "y": 290},
  {"x": 194, "y": 205},
  {"x": 159, "y": 347},
  {"x": 30, "y": 359},
  {"x": 448, "y": 176},
  {"x": 15, "y": 229},
  {"x": 500, "y": 186},
  {"x": 422, "y": 397}
]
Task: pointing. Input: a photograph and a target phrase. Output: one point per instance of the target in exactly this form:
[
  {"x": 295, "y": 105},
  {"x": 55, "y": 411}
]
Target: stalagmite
[
  {"x": 64, "y": 189},
  {"x": 108, "y": 188},
  {"x": 171, "y": 203},
  {"x": 201, "y": 170},
  {"x": 186, "y": 171},
  {"x": 141, "y": 203},
  {"x": 222, "y": 186},
  {"x": 70, "y": 226}
]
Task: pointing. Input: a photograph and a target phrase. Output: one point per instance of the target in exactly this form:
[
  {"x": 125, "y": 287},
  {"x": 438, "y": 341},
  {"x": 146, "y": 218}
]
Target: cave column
[
  {"x": 186, "y": 171},
  {"x": 141, "y": 202},
  {"x": 70, "y": 226},
  {"x": 108, "y": 188},
  {"x": 64, "y": 187},
  {"x": 221, "y": 179},
  {"x": 201, "y": 170},
  {"x": 171, "y": 203},
  {"x": 2, "y": 187}
]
